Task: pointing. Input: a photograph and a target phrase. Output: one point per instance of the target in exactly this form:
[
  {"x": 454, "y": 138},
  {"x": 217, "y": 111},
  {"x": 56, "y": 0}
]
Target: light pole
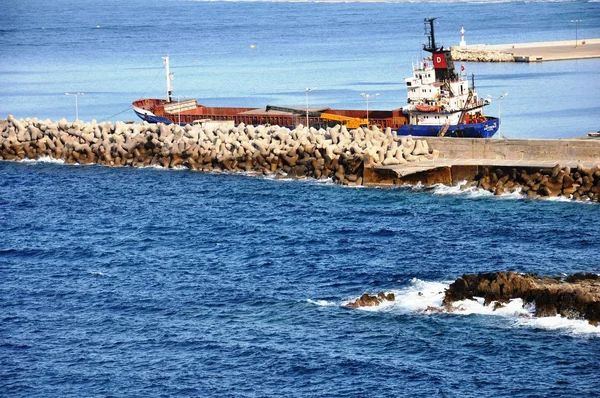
[
  {"x": 499, "y": 102},
  {"x": 179, "y": 108},
  {"x": 367, "y": 96},
  {"x": 307, "y": 91},
  {"x": 576, "y": 21},
  {"x": 76, "y": 95}
]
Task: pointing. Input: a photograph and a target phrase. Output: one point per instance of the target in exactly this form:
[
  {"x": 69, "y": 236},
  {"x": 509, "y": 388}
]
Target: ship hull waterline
[{"x": 485, "y": 129}]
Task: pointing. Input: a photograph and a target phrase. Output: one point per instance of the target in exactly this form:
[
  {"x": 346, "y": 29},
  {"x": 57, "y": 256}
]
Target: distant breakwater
[
  {"x": 335, "y": 153},
  {"x": 480, "y": 55}
]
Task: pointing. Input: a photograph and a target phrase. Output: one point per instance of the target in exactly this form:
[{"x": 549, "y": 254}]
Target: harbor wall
[
  {"x": 334, "y": 153},
  {"x": 356, "y": 157}
]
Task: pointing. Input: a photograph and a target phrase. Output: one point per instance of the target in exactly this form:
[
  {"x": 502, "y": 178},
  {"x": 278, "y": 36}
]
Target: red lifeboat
[{"x": 427, "y": 108}]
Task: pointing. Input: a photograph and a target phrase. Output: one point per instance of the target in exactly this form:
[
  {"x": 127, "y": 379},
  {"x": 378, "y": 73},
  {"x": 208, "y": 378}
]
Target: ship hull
[{"x": 485, "y": 129}]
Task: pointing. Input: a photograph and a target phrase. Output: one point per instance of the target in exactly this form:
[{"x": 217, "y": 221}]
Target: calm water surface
[{"x": 111, "y": 51}]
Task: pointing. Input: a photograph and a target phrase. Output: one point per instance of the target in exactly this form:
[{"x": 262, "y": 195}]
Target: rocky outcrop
[
  {"x": 335, "y": 153},
  {"x": 367, "y": 300},
  {"x": 580, "y": 183},
  {"x": 578, "y": 296}
]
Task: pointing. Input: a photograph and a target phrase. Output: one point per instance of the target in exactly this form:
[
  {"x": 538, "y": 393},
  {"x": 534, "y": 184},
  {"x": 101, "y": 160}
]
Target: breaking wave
[{"x": 473, "y": 192}]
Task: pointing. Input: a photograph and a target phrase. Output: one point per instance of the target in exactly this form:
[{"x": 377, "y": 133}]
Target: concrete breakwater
[
  {"x": 580, "y": 183},
  {"x": 335, "y": 153}
]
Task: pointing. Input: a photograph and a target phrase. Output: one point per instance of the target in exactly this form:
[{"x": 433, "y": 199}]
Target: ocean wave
[
  {"x": 159, "y": 167},
  {"x": 474, "y": 192},
  {"x": 425, "y": 298},
  {"x": 577, "y": 327},
  {"x": 97, "y": 273},
  {"x": 322, "y": 303}
]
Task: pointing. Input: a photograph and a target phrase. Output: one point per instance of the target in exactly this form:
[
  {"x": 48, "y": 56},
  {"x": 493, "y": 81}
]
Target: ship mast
[
  {"x": 169, "y": 78},
  {"x": 429, "y": 31},
  {"x": 442, "y": 59}
]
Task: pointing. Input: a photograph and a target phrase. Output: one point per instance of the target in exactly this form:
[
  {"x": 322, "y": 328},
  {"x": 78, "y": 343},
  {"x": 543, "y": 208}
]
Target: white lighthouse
[{"x": 463, "y": 43}]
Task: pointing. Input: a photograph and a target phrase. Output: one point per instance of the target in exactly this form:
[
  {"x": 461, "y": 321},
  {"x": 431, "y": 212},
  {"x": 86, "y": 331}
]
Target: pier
[
  {"x": 568, "y": 167},
  {"x": 528, "y": 52}
]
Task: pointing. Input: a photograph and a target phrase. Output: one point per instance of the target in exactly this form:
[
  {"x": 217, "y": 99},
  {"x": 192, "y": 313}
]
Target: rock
[
  {"x": 367, "y": 300},
  {"x": 578, "y": 296}
]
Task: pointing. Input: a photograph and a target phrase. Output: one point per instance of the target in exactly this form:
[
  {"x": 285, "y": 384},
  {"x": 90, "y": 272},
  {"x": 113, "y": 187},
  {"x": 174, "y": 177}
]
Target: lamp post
[
  {"x": 179, "y": 108},
  {"x": 307, "y": 91},
  {"x": 367, "y": 96},
  {"x": 76, "y": 95},
  {"x": 499, "y": 102},
  {"x": 576, "y": 21}
]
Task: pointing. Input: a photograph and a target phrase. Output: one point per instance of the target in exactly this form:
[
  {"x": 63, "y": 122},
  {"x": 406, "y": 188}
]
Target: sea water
[
  {"x": 148, "y": 282},
  {"x": 257, "y": 53}
]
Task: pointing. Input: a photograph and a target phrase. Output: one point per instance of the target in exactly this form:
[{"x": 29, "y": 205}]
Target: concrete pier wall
[{"x": 559, "y": 151}]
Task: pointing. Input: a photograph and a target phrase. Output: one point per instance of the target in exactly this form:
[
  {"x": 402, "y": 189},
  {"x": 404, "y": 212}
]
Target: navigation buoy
[{"x": 252, "y": 46}]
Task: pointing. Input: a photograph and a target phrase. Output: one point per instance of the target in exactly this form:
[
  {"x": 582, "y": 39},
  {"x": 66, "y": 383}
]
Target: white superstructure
[{"x": 436, "y": 103}]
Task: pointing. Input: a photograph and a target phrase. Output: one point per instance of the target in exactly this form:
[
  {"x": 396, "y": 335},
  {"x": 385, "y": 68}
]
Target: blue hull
[{"x": 476, "y": 130}]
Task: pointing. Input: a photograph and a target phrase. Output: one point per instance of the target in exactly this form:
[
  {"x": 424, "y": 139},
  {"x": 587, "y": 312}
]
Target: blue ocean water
[
  {"x": 153, "y": 282},
  {"x": 111, "y": 50},
  {"x": 145, "y": 282}
]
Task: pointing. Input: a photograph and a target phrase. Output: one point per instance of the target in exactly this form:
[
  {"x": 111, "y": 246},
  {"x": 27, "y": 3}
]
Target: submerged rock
[{"x": 578, "y": 296}]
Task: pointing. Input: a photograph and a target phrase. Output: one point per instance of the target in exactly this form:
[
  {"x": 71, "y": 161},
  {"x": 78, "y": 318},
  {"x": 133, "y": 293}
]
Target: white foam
[
  {"x": 159, "y": 167},
  {"x": 512, "y": 308},
  {"x": 578, "y": 327},
  {"x": 322, "y": 303},
  {"x": 475, "y": 192},
  {"x": 561, "y": 199},
  {"x": 516, "y": 194},
  {"x": 417, "y": 297},
  {"x": 44, "y": 159}
]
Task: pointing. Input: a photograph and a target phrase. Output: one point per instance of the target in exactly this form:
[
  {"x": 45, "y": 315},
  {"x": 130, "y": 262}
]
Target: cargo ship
[{"x": 440, "y": 103}]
